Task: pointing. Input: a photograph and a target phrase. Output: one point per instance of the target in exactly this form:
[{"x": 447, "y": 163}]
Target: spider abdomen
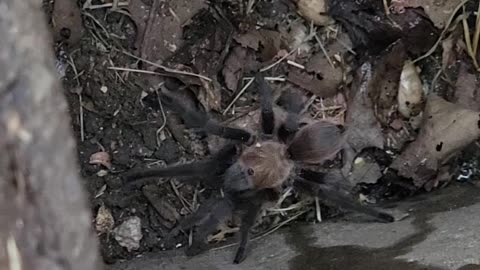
[{"x": 316, "y": 143}]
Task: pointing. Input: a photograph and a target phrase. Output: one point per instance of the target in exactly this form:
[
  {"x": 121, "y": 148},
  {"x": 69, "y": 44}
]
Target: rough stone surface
[{"x": 441, "y": 232}]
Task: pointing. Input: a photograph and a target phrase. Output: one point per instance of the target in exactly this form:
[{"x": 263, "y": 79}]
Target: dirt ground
[{"x": 120, "y": 123}]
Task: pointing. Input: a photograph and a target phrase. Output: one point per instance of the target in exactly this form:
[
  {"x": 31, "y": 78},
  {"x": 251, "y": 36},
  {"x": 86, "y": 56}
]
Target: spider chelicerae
[{"x": 252, "y": 169}]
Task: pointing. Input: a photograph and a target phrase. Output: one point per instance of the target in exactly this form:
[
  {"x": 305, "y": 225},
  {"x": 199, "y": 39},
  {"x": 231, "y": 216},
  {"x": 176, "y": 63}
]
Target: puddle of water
[{"x": 350, "y": 257}]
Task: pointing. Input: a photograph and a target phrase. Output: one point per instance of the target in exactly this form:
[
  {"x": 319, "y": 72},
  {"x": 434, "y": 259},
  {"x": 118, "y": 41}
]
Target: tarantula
[{"x": 252, "y": 168}]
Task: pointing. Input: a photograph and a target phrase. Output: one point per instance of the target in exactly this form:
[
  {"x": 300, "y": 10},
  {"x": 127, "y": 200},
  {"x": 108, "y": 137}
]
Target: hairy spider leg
[
  {"x": 199, "y": 119},
  {"x": 266, "y": 105},
  {"x": 251, "y": 206},
  {"x": 216, "y": 165},
  {"x": 214, "y": 215},
  {"x": 293, "y": 106},
  {"x": 318, "y": 185}
]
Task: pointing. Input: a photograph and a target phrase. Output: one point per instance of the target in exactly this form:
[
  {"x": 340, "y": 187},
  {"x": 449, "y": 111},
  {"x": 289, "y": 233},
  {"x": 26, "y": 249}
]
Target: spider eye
[{"x": 250, "y": 171}]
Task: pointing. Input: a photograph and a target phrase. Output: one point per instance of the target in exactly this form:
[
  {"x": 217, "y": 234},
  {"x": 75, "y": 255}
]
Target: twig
[
  {"x": 14, "y": 258},
  {"x": 291, "y": 207},
  {"x": 278, "y": 61},
  {"x": 324, "y": 51},
  {"x": 270, "y": 79},
  {"x": 80, "y": 99},
  {"x": 166, "y": 68},
  {"x": 106, "y": 5},
  {"x": 309, "y": 103},
  {"x": 285, "y": 194},
  {"x": 476, "y": 35},
  {"x": 318, "y": 210},
  {"x": 435, "y": 79},
  {"x": 162, "y": 127},
  {"x": 137, "y": 71},
  {"x": 442, "y": 35},
  {"x": 97, "y": 22},
  {"x": 288, "y": 54},
  {"x": 468, "y": 40},
  {"x": 250, "y": 5},
  {"x": 267, "y": 232},
  {"x": 345, "y": 45},
  {"x": 183, "y": 201},
  {"x": 240, "y": 93},
  {"x": 295, "y": 64},
  {"x": 385, "y": 6}
]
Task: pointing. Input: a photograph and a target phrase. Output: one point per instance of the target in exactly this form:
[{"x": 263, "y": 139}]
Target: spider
[{"x": 253, "y": 168}]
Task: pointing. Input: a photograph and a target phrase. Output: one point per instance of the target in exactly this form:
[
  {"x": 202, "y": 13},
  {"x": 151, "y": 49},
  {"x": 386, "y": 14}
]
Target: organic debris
[
  {"x": 438, "y": 11},
  {"x": 467, "y": 89},
  {"x": 315, "y": 11},
  {"x": 101, "y": 158},
  {"x": 371, "y": 29},
  {"x": 104, "y": 221},
  {"x": 159, "y": 26},
  {"x": 410, "y": 92},
  {"x": 164, "y": 208},
  {"x": 439, "y": 139}
]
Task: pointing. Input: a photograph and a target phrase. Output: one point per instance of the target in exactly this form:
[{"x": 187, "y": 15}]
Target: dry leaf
[
  {"x": 370, "y": 29},
  {"x": 101, "y": 158},
  {"x": 385, "y": 82},
  {"x": 67, "y": 21},
  {"x": 315, "y": 11},
  {"x": 447, "y": 128},
  {"x": 161, "y": 205},
  {"x": 467, "y": 88},
  {"x": 438, "y": 11},
  {"x": 104, "y": 221},
  {"x": 159, "y": 30},
  {"x": 319, "y": 77},
  {"x": 365, "y": 170},
  {"x": 362, "y": 127},
  {"x": 410, "y": 92},
  {"x": 233, "y": 68},
  {"x": 267, "y": 42}
]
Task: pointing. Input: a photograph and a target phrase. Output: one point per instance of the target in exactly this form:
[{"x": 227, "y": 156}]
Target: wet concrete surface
[{"x": 442, "y": 232}]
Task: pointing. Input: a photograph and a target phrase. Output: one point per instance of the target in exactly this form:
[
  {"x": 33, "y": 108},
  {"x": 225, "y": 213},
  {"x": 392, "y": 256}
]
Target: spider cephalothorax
[{"x": 252, "y": 168}]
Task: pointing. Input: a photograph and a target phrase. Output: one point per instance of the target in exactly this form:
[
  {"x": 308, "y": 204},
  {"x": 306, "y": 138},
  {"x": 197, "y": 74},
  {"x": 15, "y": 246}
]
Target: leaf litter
[{"x": 400, "y": 80}]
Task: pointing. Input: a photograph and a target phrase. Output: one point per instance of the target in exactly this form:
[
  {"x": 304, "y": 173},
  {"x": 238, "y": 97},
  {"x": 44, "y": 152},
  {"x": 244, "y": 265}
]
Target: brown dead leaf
[
  {"x": 266, "y": 42},
  {"x": 204, "y": 51},
  {"x": 322, "y": 86},
  {"x": 166, "y": 210},
  {"x": 370, "y": 29},
  {"x": 467, "y": 88},
  {"x": 233, "y": 69},
  {"x": 362, "y": 127},
  {"x": 365, "y": 170},
  {"x": 101, "y": 158},
  {"x": 67, "y": 21},
  {"x": 319, "y": 77},
  {"x": 315, "y": 11},
  {"x": 447, "y": 128},
  {"x": 159, "y": 26},
  {"x": 438, "y": 11},
  {"x": 385, "y": 81},
  {"x": 104, "y": 221}
]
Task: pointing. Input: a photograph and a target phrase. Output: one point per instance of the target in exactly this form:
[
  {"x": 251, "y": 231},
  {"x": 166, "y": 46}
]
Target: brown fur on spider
[{"x": 253, "y": 167}]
